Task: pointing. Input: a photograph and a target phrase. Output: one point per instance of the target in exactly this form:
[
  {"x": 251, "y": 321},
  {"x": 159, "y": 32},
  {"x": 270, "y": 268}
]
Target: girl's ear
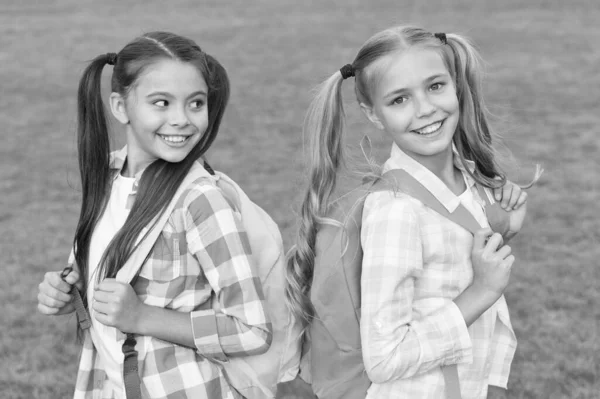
[
  {"x": 117, "y": 107},
  {"x": 371, "y": 115}
]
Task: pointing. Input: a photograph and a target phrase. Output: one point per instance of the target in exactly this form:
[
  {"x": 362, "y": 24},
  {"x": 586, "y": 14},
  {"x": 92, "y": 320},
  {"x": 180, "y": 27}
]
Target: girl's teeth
[
  {"x": 429, "y": 129},
  {"x": 174, "y": 139}
]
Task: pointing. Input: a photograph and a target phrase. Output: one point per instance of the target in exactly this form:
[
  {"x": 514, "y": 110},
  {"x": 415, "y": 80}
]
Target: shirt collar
[
  {"x": 117, "y": 162},
  {"x": 400, "y": 160}
]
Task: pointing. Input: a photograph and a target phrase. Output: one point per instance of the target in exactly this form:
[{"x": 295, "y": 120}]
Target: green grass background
[{"x": 543, "y": 83}]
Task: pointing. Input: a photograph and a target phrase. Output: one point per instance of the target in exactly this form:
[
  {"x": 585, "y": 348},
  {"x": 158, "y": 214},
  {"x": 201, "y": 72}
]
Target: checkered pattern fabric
[
  {"x": 201, "y": 256},
  {"x": 415, "y": 263}
]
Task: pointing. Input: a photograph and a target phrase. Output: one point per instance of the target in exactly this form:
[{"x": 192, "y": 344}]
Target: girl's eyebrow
[
  {"x": 167, "y": 94},
  {"x": 198, "y": 93},
  {"x": 159, "y": 93},
  {"x": 427, "y": 80},
  {"x": 436, "y": 76}
]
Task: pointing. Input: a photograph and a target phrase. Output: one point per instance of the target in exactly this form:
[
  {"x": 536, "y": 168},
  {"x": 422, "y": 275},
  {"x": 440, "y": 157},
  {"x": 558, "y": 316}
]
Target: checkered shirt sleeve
[{"x": 215, "y": 236}]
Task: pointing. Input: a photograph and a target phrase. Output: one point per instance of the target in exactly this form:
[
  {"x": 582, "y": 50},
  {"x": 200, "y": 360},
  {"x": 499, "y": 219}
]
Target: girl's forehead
[
  {"x": 408, "y": 68},
  {"x": 171, "y": 75}
]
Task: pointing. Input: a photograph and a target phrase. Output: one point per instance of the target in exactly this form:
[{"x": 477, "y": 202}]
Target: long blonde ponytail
[{"x": 324, "y": 128}]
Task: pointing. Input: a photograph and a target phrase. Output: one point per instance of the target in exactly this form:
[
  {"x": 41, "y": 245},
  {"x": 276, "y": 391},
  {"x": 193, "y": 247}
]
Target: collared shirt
[
  {"x": 201, "y": 257},
  {"x": 415, "y": 263}
]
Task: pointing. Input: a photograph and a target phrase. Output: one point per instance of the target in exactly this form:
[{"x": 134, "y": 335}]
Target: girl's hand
[
  {"x": 510, "y": 196},
  {"x": 117, "y": 305},
  {"x": 53, "y": 293},
  {"x": 492, "y": 263},
  {"x": 513, "y": 199},
  {"x": 515, "y": 221}
]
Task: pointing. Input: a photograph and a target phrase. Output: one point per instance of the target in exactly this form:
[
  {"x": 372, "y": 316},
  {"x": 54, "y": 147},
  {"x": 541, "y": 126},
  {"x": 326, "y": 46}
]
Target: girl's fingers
[
  {"x": 504, "y": 252},
  {"x": 514, "y": 198},
  {"x": 100, "y": 307},
  {"x": 522, "y": 199},
  {"x": 102, "y": 296},
  {"x": 49, "y": 301},
  {"x": 54, "y": 280},
  {"x": 508, "y": 262},
  {"x": 493, "y": 243},
  {"x": 52, "y": 292},
  {"x": 46, "y": 310},
  {"x": 102, "y": 318},
  {"x": 506, "y": 194},
  {"x": 108, "y": 285},
  {"x": 72, "y": 277},
  {"x": 498, "y": 194},
  {"x": 480, "y": 238}
]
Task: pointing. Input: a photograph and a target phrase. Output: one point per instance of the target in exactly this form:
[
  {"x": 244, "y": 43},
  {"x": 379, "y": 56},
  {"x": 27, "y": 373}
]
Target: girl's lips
[
  {"x": 174, "y": 140},
  {"x": 430, "y": 129}
]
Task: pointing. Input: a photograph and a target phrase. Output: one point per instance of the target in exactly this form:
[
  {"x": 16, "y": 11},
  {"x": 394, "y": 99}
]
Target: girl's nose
[
  {"x": 424, "y": 107},
  {"x": 178, "y": 118}
]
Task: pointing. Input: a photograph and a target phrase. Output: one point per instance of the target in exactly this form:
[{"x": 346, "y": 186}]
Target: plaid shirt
[
  {"x": 202, "y": 255},
  {"x": 415, "y": 263}
]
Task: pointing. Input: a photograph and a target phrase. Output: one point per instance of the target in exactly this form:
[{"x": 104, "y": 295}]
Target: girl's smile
[
  {"x": 431, "y": 129},
  {"x": 175, "y": 141}
]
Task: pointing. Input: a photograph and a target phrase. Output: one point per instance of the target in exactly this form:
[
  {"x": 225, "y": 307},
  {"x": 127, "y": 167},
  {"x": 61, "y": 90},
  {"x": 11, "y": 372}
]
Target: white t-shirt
[{"x": 104, "y": 337}]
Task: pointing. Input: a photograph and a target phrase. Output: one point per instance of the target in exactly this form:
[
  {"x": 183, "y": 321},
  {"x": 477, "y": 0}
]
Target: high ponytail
[
  {"x": 324, "y": 125},
  {"x": 93, "y": 147}
]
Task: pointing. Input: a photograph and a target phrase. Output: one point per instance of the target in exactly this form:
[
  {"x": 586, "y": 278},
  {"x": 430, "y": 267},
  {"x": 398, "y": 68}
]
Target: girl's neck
[
  {"x": 442, "y": 165},
  {"x": 136, "y": 161}
]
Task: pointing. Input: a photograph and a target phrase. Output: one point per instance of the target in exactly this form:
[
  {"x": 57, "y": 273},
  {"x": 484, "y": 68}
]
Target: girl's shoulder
[
  {"x": 202, "y": 194},
  {"x": 387, "y": 203}
]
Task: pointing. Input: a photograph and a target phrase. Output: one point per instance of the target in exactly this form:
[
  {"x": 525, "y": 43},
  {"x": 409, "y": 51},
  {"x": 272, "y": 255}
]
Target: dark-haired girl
[{"x": 170, "y": 97}]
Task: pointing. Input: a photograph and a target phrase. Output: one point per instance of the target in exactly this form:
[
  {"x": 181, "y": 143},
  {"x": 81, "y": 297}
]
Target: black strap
[
  {"x": 131, "y": 378},
  {"x": 83, "y": 318}
]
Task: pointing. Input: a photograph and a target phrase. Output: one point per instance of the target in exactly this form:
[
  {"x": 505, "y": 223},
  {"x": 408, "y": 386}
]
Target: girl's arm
[
  {"x": 394, "y": 344},
  {"x": 215, "y": 235},
  {"x": 241, "y": 326}
]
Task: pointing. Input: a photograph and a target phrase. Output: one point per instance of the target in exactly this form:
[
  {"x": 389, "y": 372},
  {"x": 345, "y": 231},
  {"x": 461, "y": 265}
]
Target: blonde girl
[{"x": 432, "y": 293}]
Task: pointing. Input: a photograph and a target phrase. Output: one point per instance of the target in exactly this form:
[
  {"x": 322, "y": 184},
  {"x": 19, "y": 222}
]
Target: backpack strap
[
  {"x": 401, "y": 180},
  {"x": 83, "y": 318}
]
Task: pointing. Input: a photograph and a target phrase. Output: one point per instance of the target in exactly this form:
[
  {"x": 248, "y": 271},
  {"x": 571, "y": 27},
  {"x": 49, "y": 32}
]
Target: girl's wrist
[
  {"x": 483, "y": 294},
  {"x": 145, "y": 313},
  {"x": 474, "y": 301}
]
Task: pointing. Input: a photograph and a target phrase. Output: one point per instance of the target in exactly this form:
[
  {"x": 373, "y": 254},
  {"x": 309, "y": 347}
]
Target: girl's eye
[
  {"x": 399, "y": 100},
  {"x": 436, "y": 86},
  {"x": 197, "y": 104},
  {"x": 161, "y": 103}
]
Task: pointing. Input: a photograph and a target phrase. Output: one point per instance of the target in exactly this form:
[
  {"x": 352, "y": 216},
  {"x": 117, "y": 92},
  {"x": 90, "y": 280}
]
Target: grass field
[{"x": 543, "y": 83}]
